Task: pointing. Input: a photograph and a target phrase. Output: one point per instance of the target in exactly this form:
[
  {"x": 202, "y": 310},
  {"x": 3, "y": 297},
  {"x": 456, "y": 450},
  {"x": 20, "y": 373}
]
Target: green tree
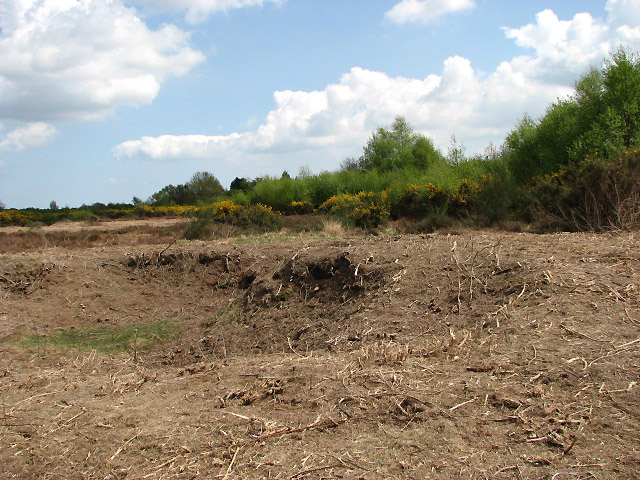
[
  {"x": 204, "y": 187},
  {"x": 457, "y": 150},
  {"x": 602, "y": 115},
  {"x": 424, "y": 153},
  {"x": 350, "y": 164},
  {"x": 395, "y": 149},
  {"x": 172, "y": 195},
  {"x": 241, "y": 184}
]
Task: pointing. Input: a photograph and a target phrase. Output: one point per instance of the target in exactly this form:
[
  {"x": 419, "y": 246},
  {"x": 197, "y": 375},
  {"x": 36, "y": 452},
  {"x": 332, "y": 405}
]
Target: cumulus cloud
[
  {"x": 198, "y": 10},
  {"x": 80, "y": 59},
  {"x": 341, "y": 116},
  {"x": 28, "y": 136},
  {"x": 425, "y": 11},
  {"x": 478, "y": 107},
  {"x": 563, "y": 49},
  {"x": 623, "y": 13}
]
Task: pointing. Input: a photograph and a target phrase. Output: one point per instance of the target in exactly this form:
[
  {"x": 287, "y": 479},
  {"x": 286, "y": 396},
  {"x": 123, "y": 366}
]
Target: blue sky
[{"x": 103, "y": 100}]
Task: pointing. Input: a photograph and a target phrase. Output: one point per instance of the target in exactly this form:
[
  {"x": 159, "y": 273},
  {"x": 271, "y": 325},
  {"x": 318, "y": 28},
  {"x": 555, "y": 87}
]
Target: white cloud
[
  {"x": 80, "y": 59},
  {"x": 28, "y": 136},
  {"x": 198, "y": 10},
  {"x": 333, "y": 123},
  {"x": 425, "y": 11},
  {"x": 623, "y": 13},
  {"x": 563, "y": 49},
  {"x": 177, "y": 146}
]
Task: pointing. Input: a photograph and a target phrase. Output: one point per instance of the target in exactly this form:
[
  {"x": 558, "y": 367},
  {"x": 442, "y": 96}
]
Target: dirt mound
[
  {"x": 24, "y": 280},
  {"x": 326, "y": 280}
]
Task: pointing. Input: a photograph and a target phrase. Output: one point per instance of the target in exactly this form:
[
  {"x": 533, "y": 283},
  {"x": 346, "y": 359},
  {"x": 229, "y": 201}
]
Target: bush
[
  {"x": 364, "y": 210},
  {"x": 500, "y": 198},
  {"x": 300, "y": 208},
  {"x": 597, "y": 194},
  {"x": 144, "y": 211},
  {"x": 17, "y": 217},
  {"x": 418, "y": 201},
  {"x": 463, "y": 198},
  {"x": 278, "y": 193},
  {"x": 254, "y": 217},
  {"x": 258, "y": 217}
]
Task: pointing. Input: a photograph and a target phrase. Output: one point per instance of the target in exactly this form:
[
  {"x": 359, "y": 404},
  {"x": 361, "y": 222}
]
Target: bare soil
[{"x": 476, "y": 355}]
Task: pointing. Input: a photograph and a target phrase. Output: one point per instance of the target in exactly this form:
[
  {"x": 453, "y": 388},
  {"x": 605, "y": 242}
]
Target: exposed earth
[{"x": 472, "y": 355}]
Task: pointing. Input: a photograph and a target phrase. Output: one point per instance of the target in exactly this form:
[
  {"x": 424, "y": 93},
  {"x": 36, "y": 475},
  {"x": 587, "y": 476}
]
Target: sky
[{"x": 104, "y": 100}]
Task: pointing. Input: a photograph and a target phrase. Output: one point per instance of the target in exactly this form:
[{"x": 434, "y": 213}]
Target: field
[{"x": 475, "y": 354}]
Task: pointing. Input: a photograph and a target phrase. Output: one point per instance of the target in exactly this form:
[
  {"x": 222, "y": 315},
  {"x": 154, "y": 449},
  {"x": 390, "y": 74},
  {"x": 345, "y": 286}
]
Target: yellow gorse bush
[
  {"x": 466, "y": 191},
  {"x": 365, "y": 209},
  {"x": 300, "y": 207},
  {"x": 16, "y": 217}
]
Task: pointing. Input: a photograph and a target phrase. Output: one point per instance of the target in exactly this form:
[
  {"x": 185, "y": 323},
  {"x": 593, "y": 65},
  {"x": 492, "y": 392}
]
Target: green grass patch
[{"x": 127, "y": 338}]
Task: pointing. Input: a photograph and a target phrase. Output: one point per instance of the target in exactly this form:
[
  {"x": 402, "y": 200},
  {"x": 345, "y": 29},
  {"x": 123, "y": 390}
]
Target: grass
[{"x": 127, "y": 338}]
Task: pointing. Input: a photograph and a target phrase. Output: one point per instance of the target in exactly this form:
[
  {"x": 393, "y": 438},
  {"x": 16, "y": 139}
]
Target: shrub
[
  {"x": 418, "y": 201},
  {"x": 300, "y": 208},
  {"x": 463, "y": 197},
  {"x": 364, "y": 210},
  {"x": 222, "y": 211},
  {"x": 501, "y": 198},
  {"x": 117, "y": 213},
  {"x": 144, "y": 211},
  {"x": 597, "y": 194},
  {"x": 278, "y": 193},
  {"x": 82, "y": 216},
  {"x": 260, "y": 217},
  {"x": 255, "y": 217}
]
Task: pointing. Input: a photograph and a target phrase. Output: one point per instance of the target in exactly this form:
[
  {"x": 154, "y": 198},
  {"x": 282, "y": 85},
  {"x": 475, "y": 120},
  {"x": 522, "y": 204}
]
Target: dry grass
[
  {"x": 333, "y": 228},
  {"x": 483, "y": 355}
]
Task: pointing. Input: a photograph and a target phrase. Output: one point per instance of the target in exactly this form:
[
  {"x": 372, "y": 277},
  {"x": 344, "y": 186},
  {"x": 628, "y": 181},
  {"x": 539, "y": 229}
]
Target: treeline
[{"x": 575, "y": 168}]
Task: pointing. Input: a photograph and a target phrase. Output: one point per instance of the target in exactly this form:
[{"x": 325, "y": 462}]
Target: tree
[
  {"x": 2, "y": 205},
  {"x": 603, "y": 115},
  {"x": 204, "y": 187},
  {"x": 53, "y": 205},
  {"x": 424, "y": 153},
  {"x": 395, "y": 149},
  {"x": 457, "y": 150},
  {"x": 241, "y": 184},
  {"x": 350, "y": 164}
]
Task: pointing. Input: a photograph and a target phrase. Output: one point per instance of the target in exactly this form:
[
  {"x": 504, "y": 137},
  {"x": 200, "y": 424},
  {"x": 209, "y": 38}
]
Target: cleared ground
[{"x": 471, "y": 355}]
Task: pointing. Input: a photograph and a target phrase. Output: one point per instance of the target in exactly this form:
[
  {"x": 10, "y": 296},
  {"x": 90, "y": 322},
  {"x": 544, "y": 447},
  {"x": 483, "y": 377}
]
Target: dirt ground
[{"x": 479, "y": 355}]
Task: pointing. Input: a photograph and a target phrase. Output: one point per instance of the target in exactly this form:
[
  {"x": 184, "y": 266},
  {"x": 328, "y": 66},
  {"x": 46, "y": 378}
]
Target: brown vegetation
[{"x": 478, "y": 355}]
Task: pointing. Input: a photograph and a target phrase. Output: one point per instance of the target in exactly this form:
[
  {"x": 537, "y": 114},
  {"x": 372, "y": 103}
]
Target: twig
[
  {"x": 224, "y": 346},
  {"x": 618, "y": 350},
  {"x": 287, "y": 431},
  {"x": 579, "y": 334},
  {"x": 568, "y": 449},
  {"x": 507, "y": 469},
  {"x": 68, "y": 421},
  {"x": 628, "y": 344},
  {"x": 162, "y": 465},
  {"x": 463, "y": 404},
  {"x": 233, "y": 460},
  {"x": 31, "y": 398},
  {"x": 122, "y": 447},
  {"x": 167, "y": 247},
  {"x": 293, "y": 349},
  {"x": 302, "y": 473}
]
